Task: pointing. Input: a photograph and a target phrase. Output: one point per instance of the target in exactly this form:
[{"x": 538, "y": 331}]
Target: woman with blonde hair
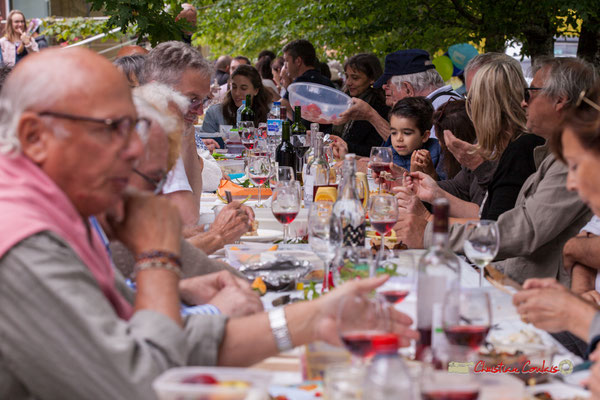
[
  {"x": 17, "y": 42},
  {"x": 494, "y": 106}
]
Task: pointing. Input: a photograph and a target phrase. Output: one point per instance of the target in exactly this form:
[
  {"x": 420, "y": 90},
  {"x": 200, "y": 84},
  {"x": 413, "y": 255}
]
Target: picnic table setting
[{"x": 319, "y": 224}]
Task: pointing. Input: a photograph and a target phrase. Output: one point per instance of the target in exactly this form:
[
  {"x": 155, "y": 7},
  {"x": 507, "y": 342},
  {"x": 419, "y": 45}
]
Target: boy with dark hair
[{"x": 413, "y": 149}]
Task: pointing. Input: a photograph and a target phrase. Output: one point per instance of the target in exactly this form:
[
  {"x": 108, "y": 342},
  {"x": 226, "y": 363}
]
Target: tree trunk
[
  {"x": 495, "y": 43},
  {"x": 589, "y": 41}
]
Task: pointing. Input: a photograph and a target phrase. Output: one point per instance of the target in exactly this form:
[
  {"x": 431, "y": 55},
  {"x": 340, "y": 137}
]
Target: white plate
[{"x": 264, "y": 235}]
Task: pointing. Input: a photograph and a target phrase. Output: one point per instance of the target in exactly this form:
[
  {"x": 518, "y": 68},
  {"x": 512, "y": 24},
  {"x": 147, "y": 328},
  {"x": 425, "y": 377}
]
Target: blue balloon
[{"x": 461, "y": 54}]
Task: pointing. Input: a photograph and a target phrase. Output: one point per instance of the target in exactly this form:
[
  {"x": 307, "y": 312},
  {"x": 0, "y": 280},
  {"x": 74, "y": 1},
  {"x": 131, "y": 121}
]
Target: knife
[
  {"x": 228, "y": 196},
  {"x": 499, "y": 277}
]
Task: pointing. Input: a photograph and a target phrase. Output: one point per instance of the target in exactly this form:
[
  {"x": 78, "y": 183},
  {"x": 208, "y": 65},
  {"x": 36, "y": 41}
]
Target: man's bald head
[
  {"x": 55, "y": 79},
  {"x": 131, "y": 50}
]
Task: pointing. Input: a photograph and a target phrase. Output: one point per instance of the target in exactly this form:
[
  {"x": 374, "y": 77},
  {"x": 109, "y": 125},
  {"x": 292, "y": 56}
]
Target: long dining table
[{"x": 287, "y": 369}]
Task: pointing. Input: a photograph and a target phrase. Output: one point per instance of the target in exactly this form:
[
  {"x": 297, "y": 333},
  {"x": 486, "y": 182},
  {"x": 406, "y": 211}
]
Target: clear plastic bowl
[
  {"x": 234, "y": 384},
  {"x": 319, "y": 103}
]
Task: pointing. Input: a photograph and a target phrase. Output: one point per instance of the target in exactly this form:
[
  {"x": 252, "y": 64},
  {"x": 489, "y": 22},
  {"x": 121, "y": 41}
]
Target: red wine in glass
[
  {"x": 363, "y": 343},
  {"x": 249, "y": 144},
  {"x": 424, "y": 342},
  {"x": 395, "y": 296},
  {"x": 285, "y": 217},
  {"x": 459, "y": 394},
  {"x": 259, "y": 180},
  {"x": 383, "y": 227},
  {"x": 378, "y": 167},
  {"x": 467, "y": 335}
]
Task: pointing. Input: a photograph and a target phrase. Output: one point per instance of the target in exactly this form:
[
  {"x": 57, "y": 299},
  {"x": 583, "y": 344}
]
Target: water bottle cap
[{"x": 276, "y": 103}]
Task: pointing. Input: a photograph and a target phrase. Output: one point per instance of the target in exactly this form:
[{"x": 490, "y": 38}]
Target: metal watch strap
[{"x": 280, "y": 329}]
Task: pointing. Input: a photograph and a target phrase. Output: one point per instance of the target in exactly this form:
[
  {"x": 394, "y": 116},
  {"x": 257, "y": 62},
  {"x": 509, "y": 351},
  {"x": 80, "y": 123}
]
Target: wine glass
[
  {"x": 402, "y": 269},
  {"x": 380, "y": 160},
  {"x": 324, "y": 235},
  {"x": 363, "y": 325},
  {"x": 383, "y": 214},
  {"x": 352, "y": 263},
  {"x": 259, "y": 170},
  {"x": 467, "y": 317},
  {"x": 482, "y": 243},
  {"x": 248, "y": 134},
  {"x": 285, "y": 204}
]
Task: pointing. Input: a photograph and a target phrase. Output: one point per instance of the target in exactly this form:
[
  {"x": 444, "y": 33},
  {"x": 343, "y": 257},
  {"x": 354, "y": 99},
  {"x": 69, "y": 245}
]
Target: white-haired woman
[
  {"x": 17, "y": 42},
  {"x": 163, "y": 97}
]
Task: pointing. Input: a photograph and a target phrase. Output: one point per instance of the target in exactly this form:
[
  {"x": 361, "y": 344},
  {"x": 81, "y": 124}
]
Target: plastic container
[
  {"x": 319, "y": 103},
  {"x": 247, "y": 253},
  {"x": 233, "y": 384},
  {"x": 231, "y": 166}
]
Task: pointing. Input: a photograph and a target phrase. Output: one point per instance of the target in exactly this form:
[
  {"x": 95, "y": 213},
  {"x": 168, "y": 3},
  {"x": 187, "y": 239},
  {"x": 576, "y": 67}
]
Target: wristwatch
[{"x": 280, "y": 329}]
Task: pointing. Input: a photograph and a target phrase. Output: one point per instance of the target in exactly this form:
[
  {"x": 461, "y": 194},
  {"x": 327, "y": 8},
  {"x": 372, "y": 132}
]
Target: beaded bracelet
[
  {"x": 158, "y": 254},
  {"x": 156, "y": 263}
]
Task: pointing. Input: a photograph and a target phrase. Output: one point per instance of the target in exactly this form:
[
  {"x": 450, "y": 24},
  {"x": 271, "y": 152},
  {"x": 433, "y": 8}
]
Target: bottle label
[
  {"x": 309, "y": 183},
  {"x": 354, "y": 236},
  {"x": 273, "y": 127}
]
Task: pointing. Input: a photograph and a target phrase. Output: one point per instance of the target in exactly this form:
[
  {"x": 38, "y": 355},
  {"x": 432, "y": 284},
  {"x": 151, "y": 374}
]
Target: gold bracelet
[{"x": 161, "y": 263}]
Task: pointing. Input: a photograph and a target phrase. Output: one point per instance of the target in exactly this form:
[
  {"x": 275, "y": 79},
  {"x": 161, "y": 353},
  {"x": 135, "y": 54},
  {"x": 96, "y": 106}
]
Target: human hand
[
  {"x": 550, "y": 308},
  {"x": 360, "y": 110},
  {"x": 25, "y": 38},
  {"x": 339, "y": 147},
  {"x": 211, "y": 144},
  {"x": 465, "y": 153},
  {"x": 408, "y": 202},
  {"x": 423, "y": 185},
  {"x": 593, "y": 381},
  {"x": 410, "y": 229},
  {"x": 237, "y": 301},
  {"x": 421, "y": 161},
  {"x": 328, "y": 306},
  {"x": 571, "y": 251},
  {"x": 148, "y": 223},
  {"x": 592, "y": 296},
  {"x": 362, "y": 163},
  {"x": 232, "y": 222},
  {"x": 201, "y": 289},
  {"x": 543, "y": 283},
  {"x": 397, "y": 174}
]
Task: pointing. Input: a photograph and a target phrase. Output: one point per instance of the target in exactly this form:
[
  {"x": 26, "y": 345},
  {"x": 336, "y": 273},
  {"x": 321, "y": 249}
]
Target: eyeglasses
[
  {"x": 156, "y": 184},
  {"x": 122, "y": 127},
  {"x": 582, "y": 98},
  {"x": 527, "y": 95}
]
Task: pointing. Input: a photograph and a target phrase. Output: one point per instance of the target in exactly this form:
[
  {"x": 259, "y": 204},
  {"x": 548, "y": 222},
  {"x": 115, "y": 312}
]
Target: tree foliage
[{"x": 339, "y": 28}]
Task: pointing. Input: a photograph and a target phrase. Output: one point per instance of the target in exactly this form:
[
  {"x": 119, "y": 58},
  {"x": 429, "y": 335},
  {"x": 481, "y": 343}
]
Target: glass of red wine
[
  {"x": 401, "y": 267},
  {"x": 363, "y": 325},
  {"x": 380, "y": 160},
  {"x": 285, "y": 204},
  {"x": 248, "y": 134},
  {"x": 444, "y": 385},
  {"x": 383, "y": 214},
  {"x": 259, "y": 170},
  {"x": 467, "y": 317}
]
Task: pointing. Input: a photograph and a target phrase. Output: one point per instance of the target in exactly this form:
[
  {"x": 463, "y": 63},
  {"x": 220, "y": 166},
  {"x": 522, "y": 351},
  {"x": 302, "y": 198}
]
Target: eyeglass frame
[
  {"x": 158, "y": 186},
  {"x": 527, "y": 95},
  {"x": 113, "y": 124}
]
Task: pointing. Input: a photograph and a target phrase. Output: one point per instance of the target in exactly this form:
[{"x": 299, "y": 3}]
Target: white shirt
[{"x": 211, "y": 175}]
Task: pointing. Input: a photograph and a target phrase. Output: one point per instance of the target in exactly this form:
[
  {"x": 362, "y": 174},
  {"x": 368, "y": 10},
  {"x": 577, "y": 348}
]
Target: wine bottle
[
  {"x": 317, "y": 171},
  {"x": 247, "y": 113},
  {"x": 348, "y": 207},
  {"x": 285, "y": 154},
  {"x": 438, "y": 272},
  {"x": 298, "y": 127}
]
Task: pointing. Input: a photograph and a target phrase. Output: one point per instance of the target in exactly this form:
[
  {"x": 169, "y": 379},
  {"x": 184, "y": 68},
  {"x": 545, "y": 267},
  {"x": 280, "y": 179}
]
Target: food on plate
[
  {"x": 253, "y": 229},
  {"x": 259, "y": 285},
  {"x": 390, "y": 241}
]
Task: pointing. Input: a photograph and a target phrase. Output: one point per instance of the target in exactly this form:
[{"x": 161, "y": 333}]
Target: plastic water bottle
[
  {"x": 387, "y": 376},
  {"x": 239, "y": 114},
  {"x": 274, "y": 124}
]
